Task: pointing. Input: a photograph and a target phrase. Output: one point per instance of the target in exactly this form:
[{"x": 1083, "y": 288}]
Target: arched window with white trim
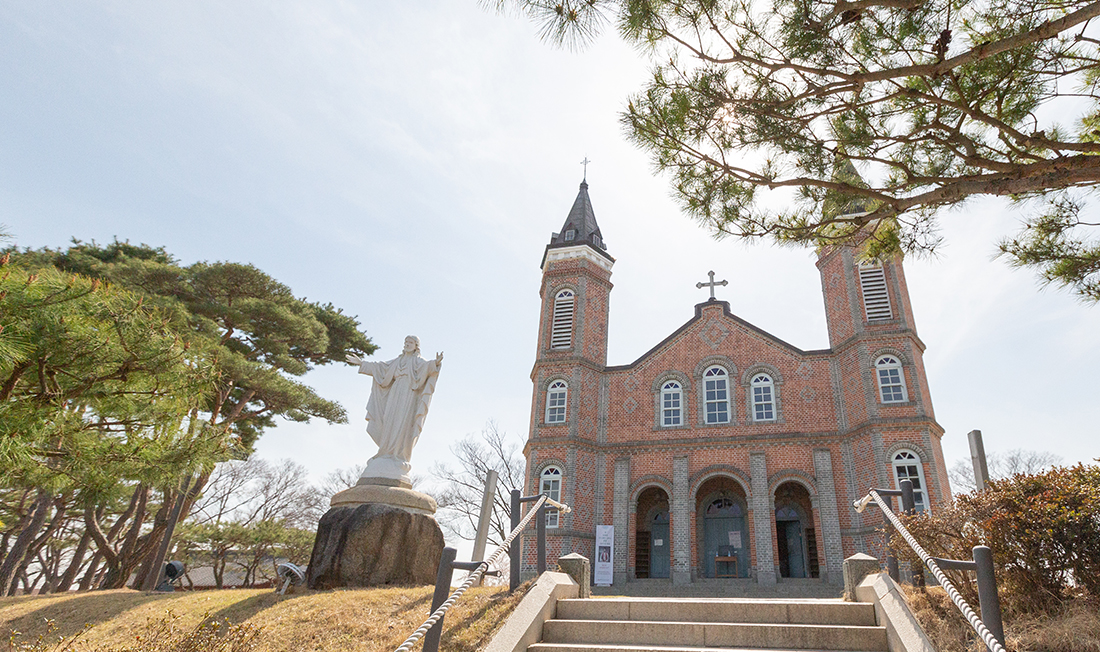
[
  {"x": 561, "y": 331},
  {"x": 763, "y": 398},
  {"x": 716, "y": 395},
  {"x": 907, "y": 466},
  {"x": 550, "y": 484},
  {"x": 556, "y": 395},
  {"x": 672, "y": 401},
  {"x": 891, "y": 382}
]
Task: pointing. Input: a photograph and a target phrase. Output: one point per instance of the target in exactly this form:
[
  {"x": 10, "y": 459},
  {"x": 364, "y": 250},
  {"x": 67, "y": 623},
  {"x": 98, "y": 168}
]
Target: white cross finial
[
  {"x": 585, "y": 163},
  {"x": 712, "y": 284}
]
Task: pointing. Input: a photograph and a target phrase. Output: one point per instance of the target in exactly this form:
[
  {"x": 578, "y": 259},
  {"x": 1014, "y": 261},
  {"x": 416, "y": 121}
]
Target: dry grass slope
[
  {"x": 364, "y": 620},
  {"x": 1077, "y": 629}
]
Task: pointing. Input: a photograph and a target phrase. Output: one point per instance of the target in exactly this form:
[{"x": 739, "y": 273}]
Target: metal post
[
  {"x": 977, "y": 458},
  {"x": 909, "y": 507},
  {"x": 540, "y": 529},
  {"x": 513, "y": 551},
  {"x": 442, "y": 590},
  {"x": 908, "y": 503},
  {"x": 987, "y": 593},
  {"x": 891, "y": 557}
]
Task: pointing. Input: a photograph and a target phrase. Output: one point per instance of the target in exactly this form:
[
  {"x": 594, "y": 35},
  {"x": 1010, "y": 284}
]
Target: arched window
[
  {"x": 763, "y": 398},
  {"x": 555, "y": 401},
  {"x": 907, "y": 466},
  {"x": 891, "y": 382},
  {"x": 550, "y": 484},
  {"x": 724, "y": 507},
  {"x": 672, "y": 398},
  {"x": 716, "y": 395},
  {"x": 561, "y": 332}
]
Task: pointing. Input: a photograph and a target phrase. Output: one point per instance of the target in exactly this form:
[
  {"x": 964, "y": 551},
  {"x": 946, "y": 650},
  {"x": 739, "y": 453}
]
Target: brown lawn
[{"x": 364, "y": 620}]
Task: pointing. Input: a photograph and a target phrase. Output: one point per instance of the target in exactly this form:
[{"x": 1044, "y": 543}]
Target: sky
[{"x": 408, "y": 162}]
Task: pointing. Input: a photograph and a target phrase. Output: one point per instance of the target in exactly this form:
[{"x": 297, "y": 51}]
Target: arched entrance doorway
[
  {"x": 795, "y": 536},
  {"x": 651, "y": 541},
  {"x": 722, "y": 535}
]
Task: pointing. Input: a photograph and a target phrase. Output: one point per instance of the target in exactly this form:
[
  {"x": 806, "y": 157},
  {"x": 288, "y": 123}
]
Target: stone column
[
  {"x": 681, "y": 518},
  {"x": 762, "y": 519},
  {"x": 621, "y": 518},
  {"x": 830, "y": 518}
]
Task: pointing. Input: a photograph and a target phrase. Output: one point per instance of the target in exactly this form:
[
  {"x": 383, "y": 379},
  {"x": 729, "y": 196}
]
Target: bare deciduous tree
[
  {"x": 1001, "y": 465},
  {"x": 460, "y": 486}
]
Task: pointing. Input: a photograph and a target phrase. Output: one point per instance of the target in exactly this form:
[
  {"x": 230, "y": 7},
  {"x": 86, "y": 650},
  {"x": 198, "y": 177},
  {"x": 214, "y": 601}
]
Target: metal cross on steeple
[
  {"x": 712, "y": 284},
  {"x": 585, "y": 163}
]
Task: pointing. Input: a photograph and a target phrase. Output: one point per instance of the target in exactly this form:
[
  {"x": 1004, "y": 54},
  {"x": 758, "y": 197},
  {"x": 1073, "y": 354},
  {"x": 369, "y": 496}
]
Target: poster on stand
[{"x": 605, "y": 552}]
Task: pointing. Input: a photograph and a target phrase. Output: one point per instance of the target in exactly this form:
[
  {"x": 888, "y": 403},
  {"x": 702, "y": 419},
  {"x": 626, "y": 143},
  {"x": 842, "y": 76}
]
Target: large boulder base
[{"x": 374, "y": 545}]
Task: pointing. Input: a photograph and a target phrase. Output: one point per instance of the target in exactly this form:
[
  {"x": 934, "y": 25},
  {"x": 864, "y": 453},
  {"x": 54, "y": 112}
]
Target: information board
[{"x": 605, "y": 553}]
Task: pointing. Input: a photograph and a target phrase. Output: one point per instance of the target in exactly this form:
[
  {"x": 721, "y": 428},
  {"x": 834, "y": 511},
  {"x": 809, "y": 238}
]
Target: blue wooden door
[{"x": 659, "y": 546}]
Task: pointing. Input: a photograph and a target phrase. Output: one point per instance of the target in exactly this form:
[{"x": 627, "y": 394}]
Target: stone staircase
[{"x": 710, "y": 625}]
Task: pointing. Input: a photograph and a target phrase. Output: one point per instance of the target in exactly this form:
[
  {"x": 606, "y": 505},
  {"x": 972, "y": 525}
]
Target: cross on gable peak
[{"x": 712, "y": 284}]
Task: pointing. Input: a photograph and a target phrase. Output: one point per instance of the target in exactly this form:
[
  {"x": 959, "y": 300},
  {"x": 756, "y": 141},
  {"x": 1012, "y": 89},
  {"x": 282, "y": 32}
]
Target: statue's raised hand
[
  {"x": 439, "y": 358},
  {"x": 353, "y": 359}
]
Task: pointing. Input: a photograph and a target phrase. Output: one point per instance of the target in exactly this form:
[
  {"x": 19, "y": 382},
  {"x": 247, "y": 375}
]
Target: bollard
[
  {"x": 442, "y": 590},
  {"x": 987, "y": 592},
  {"x": 540, "y": 530},
  {"x": 891, "y": 558},
  {"x": 513, "y": 551}
]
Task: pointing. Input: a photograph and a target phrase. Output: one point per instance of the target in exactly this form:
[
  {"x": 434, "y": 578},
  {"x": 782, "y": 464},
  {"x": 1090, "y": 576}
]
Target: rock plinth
[{"x": 374, "y": 544}]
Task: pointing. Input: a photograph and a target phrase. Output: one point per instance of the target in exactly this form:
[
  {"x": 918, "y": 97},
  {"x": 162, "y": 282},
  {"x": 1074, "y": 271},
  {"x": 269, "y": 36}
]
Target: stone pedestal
[
  {"x": 580, "y": 569},
  {"x": 375, "y": 535},
  {"x": 857, "y": 567}
]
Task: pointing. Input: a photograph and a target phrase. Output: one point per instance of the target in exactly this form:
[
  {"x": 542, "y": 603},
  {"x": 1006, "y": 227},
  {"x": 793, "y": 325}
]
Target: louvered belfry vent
[
  {"x": 876, "y": 300},
  {"x": 561, "y": 333}
]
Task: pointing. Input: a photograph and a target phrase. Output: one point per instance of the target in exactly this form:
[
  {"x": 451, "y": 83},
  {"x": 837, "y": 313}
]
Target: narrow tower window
[
  {"x": 561, "y": 333},
  {"x": 550, "y": 485},
  {"x": 763, "y": 398},
  {"x": 876, "y": 301},
  {"x": 907, "y": 466},
  {"x": 570, "y": 235},
  {"x": 891, "y": 383},
  {"x": 717, "y": 397},
  {"x": 671, "y": 401},
  {"x": 555, "y": 401}
]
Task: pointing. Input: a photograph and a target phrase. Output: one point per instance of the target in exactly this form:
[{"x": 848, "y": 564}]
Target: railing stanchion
[
  {"x": 908, "y": 503},
  {"x": 513, "y": 551},
  {"x": 442, "y": 590},
  {"x": 891, "y": 556},
  {"x": 540, "y": 529},
  {"x": 988, "y": 599}
]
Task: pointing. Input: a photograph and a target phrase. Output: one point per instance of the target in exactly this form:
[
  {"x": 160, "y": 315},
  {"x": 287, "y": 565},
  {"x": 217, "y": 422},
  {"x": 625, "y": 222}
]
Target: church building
[{"x": 723, "y": 451}]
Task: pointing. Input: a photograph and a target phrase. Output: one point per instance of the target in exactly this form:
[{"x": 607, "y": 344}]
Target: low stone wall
[
  {"x": 903, "y": 632},
  {"x": 524, "y": 626}
]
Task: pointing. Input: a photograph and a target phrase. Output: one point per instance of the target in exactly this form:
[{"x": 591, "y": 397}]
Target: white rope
[
  {"x": 991, "y": 641},
  {"x": 476, "y": 575}
]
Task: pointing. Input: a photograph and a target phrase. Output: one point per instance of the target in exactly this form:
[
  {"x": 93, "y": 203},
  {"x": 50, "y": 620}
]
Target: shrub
[{"x": 1043, "y": 529}]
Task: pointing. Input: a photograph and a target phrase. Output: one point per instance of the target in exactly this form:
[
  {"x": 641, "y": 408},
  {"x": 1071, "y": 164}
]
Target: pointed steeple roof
[
  {"x": 580, "y": 227},
  {"x": 839, "y": 203}
]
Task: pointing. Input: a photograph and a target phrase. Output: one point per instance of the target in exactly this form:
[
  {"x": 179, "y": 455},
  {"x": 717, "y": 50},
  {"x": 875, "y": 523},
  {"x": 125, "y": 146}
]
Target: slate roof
[{"x": 582, "y": 221}]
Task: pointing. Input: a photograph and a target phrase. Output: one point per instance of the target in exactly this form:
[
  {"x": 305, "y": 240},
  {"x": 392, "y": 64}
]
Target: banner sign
[{"x": 605, "y": 552}]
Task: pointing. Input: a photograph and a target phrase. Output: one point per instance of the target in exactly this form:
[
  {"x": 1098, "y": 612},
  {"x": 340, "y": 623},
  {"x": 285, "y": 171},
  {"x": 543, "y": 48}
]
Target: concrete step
[
  {"x": 815, "y": 612},
  {"x": 712, "y": 635},
  {"x": 586, "y": 647}
]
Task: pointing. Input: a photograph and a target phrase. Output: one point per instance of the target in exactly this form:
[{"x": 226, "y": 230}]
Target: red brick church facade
[{"x": 725, "y": 451}]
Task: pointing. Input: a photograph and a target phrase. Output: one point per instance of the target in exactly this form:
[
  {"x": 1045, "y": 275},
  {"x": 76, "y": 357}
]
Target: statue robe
[{"x": 399, "y": 399}]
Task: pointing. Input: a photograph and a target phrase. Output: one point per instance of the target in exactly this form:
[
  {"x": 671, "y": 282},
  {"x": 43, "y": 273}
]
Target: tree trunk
[
  {"x": 120, "y": 567},
  {"x": 86, "y": 582},
  {"x": 12, "y": 561},
  {"x": 55, "y": 524},
  {"x": 65, "y": 582}
]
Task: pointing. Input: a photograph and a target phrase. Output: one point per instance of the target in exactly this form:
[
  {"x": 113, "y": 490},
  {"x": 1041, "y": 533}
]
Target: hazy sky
[{"x": 408, "y": 161}]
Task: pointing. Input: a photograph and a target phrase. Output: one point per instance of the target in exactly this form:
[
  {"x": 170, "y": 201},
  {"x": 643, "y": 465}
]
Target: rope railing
[
  {"x": 976, "y": 623},
  {"x": 477, "y": 572}
]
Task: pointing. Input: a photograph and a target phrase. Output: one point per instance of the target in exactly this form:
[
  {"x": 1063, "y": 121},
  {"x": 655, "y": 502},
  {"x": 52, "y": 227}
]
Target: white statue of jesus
[{"x": 399, "y": 399}]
